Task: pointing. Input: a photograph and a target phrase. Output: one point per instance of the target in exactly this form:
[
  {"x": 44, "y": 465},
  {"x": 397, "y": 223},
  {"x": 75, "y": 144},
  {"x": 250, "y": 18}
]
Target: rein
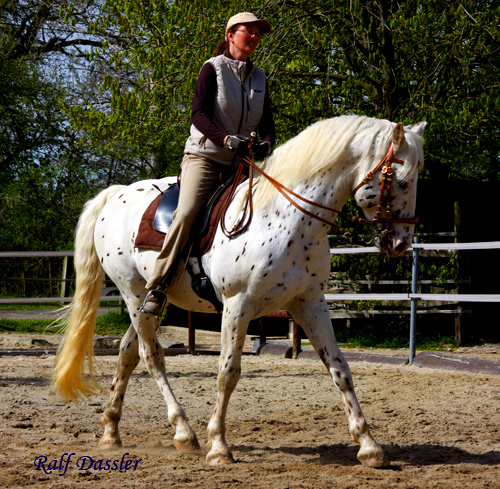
[{"x": 386, "y": 168}]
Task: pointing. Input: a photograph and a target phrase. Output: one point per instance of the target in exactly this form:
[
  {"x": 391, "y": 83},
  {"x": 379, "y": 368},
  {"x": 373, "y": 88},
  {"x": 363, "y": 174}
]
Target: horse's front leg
[
  {"x": 314, "y": 318},
  {"x": 127, "y": 361},
  {"x": 233, "y": 331},
  {"x": 153, "y": 356}
]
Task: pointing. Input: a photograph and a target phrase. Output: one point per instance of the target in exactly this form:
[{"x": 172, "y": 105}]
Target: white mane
[{"x": 323, "y": 145}]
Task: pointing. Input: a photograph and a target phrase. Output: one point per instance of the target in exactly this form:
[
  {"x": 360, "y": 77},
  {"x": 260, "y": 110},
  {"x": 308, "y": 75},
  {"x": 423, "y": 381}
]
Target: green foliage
[
  {"x": 23, "y": 326},
  {"x": 405, "y": 61},
  {"x": 440, "y": 270},
  {"x": 124, "y": 72},
  {"x": 379, "y": 332},
  {"x": 370, "y": 340},
  {"x": 112, "y": 323}
]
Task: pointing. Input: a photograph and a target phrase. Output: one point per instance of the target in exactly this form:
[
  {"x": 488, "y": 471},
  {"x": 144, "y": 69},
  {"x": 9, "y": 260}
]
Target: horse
[{"x": 280, "y": 261}]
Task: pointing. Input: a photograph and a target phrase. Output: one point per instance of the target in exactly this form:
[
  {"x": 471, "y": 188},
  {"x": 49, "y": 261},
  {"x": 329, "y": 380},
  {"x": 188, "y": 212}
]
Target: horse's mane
[{"x": 323, "y": 145}]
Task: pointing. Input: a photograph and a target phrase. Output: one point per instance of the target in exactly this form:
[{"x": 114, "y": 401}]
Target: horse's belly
[{"x": 182, "y": 295}]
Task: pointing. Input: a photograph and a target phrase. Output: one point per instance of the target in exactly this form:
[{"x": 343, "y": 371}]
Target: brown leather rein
[{"x": 386, "y": 168}]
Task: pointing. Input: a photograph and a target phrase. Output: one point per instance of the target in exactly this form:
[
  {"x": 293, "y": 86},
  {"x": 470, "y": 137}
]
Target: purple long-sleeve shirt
[{"x": 203, "y": 101}]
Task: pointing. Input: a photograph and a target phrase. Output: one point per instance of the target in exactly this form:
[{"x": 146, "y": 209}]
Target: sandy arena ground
[{"x": 286, "y": 426}]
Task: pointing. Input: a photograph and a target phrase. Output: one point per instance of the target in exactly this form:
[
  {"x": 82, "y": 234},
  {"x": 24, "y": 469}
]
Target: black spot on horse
[{"x": 321, "y": 354}]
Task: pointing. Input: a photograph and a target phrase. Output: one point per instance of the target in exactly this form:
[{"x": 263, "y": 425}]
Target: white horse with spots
[{"x": 281, "y": 261}]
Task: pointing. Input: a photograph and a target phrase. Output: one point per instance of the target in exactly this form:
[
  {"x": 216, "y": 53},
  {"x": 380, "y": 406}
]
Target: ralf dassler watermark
[{"x": 84, "y": 463}]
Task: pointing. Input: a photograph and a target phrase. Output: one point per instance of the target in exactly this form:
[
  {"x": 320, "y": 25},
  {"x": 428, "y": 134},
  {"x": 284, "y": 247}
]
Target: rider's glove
[
  {"x": 261, "y": 149},
  {"x": 237, "y": 144}
]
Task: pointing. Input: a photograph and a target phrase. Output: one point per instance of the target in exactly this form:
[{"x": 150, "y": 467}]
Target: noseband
[{"x": 382, "y": 226}]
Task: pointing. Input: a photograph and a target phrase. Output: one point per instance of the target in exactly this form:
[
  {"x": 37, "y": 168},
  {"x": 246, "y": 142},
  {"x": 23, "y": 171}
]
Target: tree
[
  {"x": 32, "y": 122},
  {"x": 35, "y": 28},
  {"x": 46, "y": 174},
  {"x": 406, "y": 61}
]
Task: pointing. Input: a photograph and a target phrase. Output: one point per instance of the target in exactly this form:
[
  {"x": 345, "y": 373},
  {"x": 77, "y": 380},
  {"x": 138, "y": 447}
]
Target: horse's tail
[{"x": 68, "y": 377}]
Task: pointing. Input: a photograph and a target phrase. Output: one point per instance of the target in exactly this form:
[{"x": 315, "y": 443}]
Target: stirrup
[{"x": 158, "y": 303}]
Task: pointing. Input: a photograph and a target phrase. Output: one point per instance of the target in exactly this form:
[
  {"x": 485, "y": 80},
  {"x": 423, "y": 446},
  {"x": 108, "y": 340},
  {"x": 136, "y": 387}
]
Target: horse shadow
[
  {"x": 39, "y": 381},
  {"x": 412, "y": 455}
]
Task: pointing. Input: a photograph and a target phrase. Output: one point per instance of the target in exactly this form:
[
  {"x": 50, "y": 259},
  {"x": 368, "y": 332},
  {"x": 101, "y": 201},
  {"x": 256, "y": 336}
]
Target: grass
[
  {"x": 41, "y": 306},
  {"x": 27, "y": 307},
  {"x": 371, "y": 341},
  {"x": 112, "y": 323}
]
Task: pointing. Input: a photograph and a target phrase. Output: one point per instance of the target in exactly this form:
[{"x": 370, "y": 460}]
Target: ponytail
[{"x": 224, "y": 44}]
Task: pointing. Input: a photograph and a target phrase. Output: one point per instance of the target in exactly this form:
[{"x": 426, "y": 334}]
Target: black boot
[{"x": 154, "y": 303}]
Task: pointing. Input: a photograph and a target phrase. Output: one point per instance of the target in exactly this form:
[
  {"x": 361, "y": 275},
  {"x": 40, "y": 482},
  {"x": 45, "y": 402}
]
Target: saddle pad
[{"x": 147, "y": 236}]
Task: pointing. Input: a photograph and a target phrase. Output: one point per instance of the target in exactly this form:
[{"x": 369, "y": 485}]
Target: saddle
[{"x": 158, "y": 217}]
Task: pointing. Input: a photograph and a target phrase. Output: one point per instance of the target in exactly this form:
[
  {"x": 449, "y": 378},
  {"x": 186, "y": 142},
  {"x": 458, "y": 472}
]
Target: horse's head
[{"x": 388, "y": 193}]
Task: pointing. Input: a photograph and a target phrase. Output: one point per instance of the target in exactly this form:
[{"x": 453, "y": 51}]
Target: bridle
[
  {"x": 386, "y": 183},
  {"x": 382, "y": 226}
]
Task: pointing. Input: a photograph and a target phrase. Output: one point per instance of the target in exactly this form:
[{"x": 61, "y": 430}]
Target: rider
[{"x": 231, "y": 99}]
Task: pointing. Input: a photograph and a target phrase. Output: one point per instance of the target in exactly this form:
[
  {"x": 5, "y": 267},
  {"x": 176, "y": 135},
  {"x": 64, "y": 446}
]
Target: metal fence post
[
  {"x": 64, "y": 274},
  {"x": 414, "y": 290}
]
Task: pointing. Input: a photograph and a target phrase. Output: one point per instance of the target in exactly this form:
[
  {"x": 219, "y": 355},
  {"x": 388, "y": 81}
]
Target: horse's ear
[
  {"x": 398, "y": 136},
  {"x": 419, "y": 128}
]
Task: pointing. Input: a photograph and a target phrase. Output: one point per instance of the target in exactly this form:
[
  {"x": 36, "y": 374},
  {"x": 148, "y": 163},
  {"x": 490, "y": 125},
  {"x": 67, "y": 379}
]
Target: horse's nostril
[{"x": 401, "y": 246}]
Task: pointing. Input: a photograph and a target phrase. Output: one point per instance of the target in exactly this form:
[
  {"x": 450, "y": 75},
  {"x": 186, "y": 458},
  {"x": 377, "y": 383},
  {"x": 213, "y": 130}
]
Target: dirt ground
[{"x": 286, "y": 425}]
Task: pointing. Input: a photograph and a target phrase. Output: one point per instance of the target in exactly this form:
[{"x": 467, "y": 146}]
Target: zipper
[
  {"x": 242, "y": 107},
  {"x": 248, "y": 97},
  {"x": 242, "y": 102}
]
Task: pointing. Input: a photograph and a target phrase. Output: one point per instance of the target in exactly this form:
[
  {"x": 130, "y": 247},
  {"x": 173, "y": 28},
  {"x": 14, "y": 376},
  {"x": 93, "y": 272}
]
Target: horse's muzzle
[{"x": 387, "y": 243}]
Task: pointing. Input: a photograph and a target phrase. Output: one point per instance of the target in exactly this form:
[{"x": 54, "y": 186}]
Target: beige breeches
[{"x": 199, "y": 178}]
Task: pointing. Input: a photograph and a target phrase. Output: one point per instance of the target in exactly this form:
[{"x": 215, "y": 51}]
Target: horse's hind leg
[
  {"x": 127, "y": 361},
  {"x": 315, "y": 319},
  {"x": 153, "y": 356}
]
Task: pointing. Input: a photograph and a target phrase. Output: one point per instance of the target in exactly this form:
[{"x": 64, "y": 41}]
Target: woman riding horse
[{"x": 231, "y": 100}]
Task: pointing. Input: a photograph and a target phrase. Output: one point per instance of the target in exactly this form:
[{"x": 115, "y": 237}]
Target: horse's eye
[{"x": 403, "y": 185}]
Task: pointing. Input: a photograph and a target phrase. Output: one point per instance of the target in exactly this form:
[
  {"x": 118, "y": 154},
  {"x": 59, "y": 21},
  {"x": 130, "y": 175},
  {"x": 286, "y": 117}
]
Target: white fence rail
[{"x": 413, "y": 296}]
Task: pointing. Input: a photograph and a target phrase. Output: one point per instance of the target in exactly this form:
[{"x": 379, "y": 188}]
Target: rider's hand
[
  {"x": 237, "y": 144},
  {"x": 261, "y": 149}
]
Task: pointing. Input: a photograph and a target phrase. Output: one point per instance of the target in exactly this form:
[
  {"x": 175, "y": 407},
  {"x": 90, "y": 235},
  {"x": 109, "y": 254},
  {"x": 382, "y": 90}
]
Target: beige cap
[{"x": 247, "y": 17}]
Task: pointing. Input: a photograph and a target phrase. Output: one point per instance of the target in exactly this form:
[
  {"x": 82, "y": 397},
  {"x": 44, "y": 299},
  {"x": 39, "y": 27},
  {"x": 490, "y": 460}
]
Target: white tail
[{"x": 68, "y": 377}]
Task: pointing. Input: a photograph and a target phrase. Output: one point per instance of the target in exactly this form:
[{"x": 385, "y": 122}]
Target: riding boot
[
  {"x": 156, "y": 299},
  {"x": 155, "y": 302}
]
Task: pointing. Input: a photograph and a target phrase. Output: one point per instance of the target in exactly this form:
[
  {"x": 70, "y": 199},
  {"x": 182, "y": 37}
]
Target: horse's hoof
[
  {"x": 376, "y": 462},
  {"x": 219, "y": 459},
  {"x": 110, "y": 445},
  {"x": 187, "y": 446}
]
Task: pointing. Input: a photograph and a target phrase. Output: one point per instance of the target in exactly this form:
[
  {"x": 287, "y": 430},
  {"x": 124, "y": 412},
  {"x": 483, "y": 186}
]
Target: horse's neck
[{"x": 328, "y": 188}]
